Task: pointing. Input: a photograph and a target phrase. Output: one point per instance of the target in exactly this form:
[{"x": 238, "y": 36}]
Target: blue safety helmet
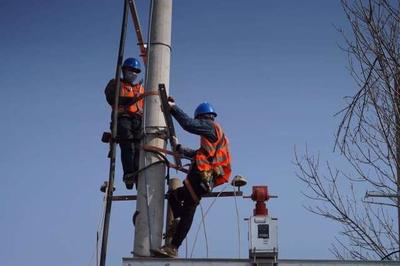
[
  {"x": 132, "y": 63},
  {"x": 204, "y": 108}
]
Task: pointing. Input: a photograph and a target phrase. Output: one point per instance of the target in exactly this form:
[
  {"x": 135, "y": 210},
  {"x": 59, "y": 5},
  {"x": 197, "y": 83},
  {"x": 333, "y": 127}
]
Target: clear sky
[{"x": 272, "y": 69}]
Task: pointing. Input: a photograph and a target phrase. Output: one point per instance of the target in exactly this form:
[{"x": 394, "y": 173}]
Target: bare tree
[{"x": 368, "y": 137}]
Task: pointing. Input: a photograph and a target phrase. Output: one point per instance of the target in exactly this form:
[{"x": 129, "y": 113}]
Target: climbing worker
[
  {"x": 210, "y": 167},
  {"x": 130, "y": 112}
]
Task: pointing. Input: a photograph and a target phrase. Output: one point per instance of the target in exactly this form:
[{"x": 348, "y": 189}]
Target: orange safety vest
[
  {"x": 215, "y": 156},
  {"x": 128, "y": 90}
]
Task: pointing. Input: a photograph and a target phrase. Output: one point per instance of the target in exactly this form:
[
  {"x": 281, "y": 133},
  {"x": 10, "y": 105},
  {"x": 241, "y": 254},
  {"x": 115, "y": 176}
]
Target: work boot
[
  {"x": 129, "y": 180},
  {"x": 169, "y": 251}
]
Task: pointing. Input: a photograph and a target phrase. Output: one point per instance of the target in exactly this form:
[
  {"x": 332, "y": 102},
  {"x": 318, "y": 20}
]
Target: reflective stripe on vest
[
  {"x": 215, "y": 156},
  {"x": 131, "y": 91}
]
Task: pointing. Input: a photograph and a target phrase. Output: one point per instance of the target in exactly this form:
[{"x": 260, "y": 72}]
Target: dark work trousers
[
  {"x": 129, "y": 129},
  {"x": 184, "y": 207}
]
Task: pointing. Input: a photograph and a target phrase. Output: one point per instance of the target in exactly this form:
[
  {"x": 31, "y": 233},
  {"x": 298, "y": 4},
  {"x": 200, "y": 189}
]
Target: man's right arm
[
  {"x": 188, "y": 152},
  {"x": 195, "y": 126}
]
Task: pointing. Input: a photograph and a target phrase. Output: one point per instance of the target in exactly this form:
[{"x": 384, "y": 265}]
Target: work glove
[
  {"x": 187, "y": 152},
  {"x": 171, "y": 102},
  {"x": 179, "y": 148}
]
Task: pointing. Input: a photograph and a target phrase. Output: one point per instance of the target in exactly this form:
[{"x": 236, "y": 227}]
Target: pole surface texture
[{"x": 151, "y": 184}]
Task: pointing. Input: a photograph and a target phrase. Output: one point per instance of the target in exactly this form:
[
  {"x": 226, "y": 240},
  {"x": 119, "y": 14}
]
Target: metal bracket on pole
[
  {"x": 136, "y": 24},
  {"x": 216, "y": 194},
  {"x": 173, "y": 140}
]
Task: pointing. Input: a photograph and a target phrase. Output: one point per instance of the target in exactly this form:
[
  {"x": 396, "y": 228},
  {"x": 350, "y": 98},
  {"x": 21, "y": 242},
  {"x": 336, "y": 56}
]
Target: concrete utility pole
[{"x": 151, "y": 185}]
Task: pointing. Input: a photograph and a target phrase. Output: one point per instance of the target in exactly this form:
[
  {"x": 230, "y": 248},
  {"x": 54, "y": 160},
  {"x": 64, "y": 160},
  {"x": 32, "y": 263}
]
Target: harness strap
[
  {"x": 151, "y": 148},
  {"x": 143, "y": 95},
  {"x": 135, "y": 101},
  {"x": 191, "y": 191},
  {"x": 219, "y": 145}
]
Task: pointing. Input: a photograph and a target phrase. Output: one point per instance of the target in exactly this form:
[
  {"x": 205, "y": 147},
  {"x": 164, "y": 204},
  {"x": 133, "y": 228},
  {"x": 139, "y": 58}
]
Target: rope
[
  {"x": 237, "y": 218},
  {"x": 203, "y": 217},
  {"x": 161, "y": 152}
]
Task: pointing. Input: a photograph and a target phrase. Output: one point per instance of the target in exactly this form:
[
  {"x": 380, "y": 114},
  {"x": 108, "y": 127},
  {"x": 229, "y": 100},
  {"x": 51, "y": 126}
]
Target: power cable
[
  {"x": 144, "y": 124},
  {"x": 164, "y": 160},
  {"x": 203, "y": 217},
  {"x": 99, "y": 229},
  {"x": 204, "y": 228}
]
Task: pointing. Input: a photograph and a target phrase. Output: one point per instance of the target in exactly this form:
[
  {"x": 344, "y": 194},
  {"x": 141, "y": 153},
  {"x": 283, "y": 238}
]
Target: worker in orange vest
[
  {"x": 130, "y": 113},
  {"x": 211, "y": 166}
]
